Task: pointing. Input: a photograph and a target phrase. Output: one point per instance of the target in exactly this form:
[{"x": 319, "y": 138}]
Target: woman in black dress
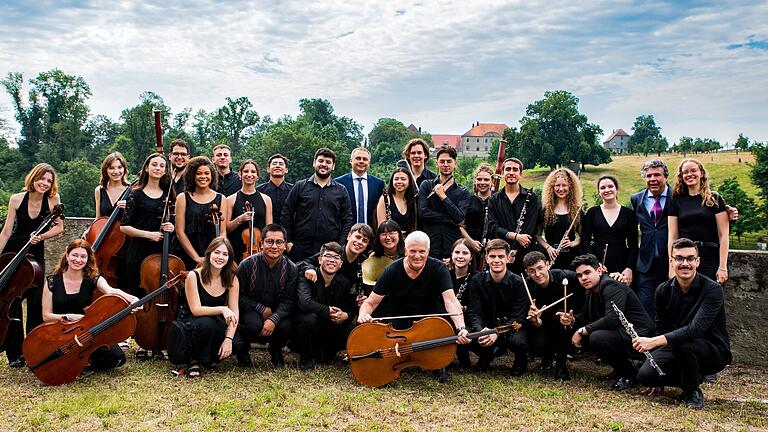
[
  {"x": 261, "y": 208},
  {"x": 614, "y": 227},
  {"x": 462, "y": 266},
  {"x": 398, "y": 202},
  {"x": 475, "y": 219},
  {"x": 114, "y": 180},
  {"x": 38, "y": 197},
  {"x": 205, "y": 331},
  {"x": 143, "y": 218},
  {"x": 70, "y": 289},
  {"x": 195, "y": 224},
  {"x": 561, "y": 198},
  {"x": 698, "y": 213}
]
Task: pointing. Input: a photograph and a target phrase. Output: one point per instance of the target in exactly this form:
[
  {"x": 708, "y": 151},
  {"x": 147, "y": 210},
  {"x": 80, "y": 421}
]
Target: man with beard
[
  {"x": 364, "y": 189},
  {"x": 267, "y": 295},
  {"x": 599, "y": 326},
  {"x": 513, "y": 214},
  {"x": 416, "y": 152},
  {"x": 276, "y": 187},
  {"x": 691, "y": 322},
  {"x": 416, "y": 285},
  {"x": 179, "y": 160},
  {"x": 327, "y": 309},
  {"x": 442, "y": 205},
  {"x": 317, "y": 210},
  {"x": 229, "y": 181}
]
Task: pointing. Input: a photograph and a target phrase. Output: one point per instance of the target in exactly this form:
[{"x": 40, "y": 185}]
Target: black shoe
[
  {"x": 623, "y": 383},
  {"x": 277, "y": 358},
  {"x": 613, "y": 376},
  {"x": 710, "y": 378},
  {"x": 17, "y": 363},
  {"x": 442, "y": 376},
  {"x": 546, "y": 364},
  {"x": 520, "y": 365},
  {"x": 306, "y": 365},
  {"x": 561, "y": 373},
  {"x": 244, "y": 359},
  {"x": 464, "y": 361},
  {"x": 483, "y": 364},
  {"x": 694, "y": 399}
]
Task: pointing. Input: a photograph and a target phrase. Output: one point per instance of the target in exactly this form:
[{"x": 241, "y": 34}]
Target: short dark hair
[
  {"x": 608, "y": 177},
  {"x": 325, "y": 152},
  {"x": 450, "y": 151},
  {"x": 178, "y": 142},
  {"x": 330, "y": 246},
  {"x": 497, "y": 244},
  {"x": 586, "y": 259},
  {"x": 683, "y": 243},
  {"x": 515, "y": 160},
  {"x": 532, "y": 258},
  {"x": 273, "y": 227},
  {"x": 364, "y": 229},
  {"x": 389, "y": 225},
  {"x": 277, "y": 156}
]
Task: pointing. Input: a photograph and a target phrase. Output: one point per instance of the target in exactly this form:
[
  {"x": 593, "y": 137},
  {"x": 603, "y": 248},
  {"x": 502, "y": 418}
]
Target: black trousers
[
  {"x": 319, "y": 338},
  {"x": 107, "y": 357},
  {"x": 515, "y": 341},
  {"x": 615, "y": 347},
  {"x": 198, "y": 339},
  {"x": 251, "y": 323},
  {"x": 15, "y": 337},
  {"x": 682, "y": 364},
  {"x": 551, "y": 340}
]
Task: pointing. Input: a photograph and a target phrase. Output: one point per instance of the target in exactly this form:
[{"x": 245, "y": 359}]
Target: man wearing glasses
[
  {"x": 691, "y": 323},
  {"x": 267, "y": 295},
  {"x": 179, "y": 159},
  {"x": 328, "y": 309}
]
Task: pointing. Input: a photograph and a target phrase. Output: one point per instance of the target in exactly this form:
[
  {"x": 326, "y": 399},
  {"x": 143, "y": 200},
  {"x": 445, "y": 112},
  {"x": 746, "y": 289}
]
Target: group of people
[{"x": 337, "y": 252}]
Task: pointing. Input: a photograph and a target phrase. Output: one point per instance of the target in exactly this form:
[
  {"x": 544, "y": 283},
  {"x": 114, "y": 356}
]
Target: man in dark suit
[{"x": 364, "y": 189}]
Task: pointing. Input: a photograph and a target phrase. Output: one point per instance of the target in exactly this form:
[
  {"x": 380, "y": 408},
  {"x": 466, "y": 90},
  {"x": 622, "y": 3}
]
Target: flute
[
  {"x": 567, "y": 232},
  {"x": 633, "y": 335}
]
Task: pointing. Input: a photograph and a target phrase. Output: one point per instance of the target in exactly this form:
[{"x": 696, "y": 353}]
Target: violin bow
[{"x": 416, "y": 316}]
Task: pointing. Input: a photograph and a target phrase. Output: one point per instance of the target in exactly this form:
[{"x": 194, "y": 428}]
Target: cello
[
  {"x": 251, "y": 236},
  {"x": 21, "y": 272},
  {"x": 58, "y": 351},
  {"x": 377, "y": 352},
  {"x": 107, "y": 241}
]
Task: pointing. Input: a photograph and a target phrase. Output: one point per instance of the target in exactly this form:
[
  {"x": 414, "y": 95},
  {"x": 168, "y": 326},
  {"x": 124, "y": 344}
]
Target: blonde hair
[
  {"x": 483, "y": 167},
  {"x": 549, "y": 199},
  {"x": 36, "y": 174},
  {"x": 707, "y": 195}
]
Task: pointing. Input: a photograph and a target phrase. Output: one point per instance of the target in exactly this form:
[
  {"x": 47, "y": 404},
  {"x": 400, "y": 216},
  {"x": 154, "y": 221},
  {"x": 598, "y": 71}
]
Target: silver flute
[{"x": 633, "y": 334}]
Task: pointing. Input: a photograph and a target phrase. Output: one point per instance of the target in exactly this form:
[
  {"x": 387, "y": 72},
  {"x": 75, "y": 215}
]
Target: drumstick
[
  {"x": 553, "y": 304},
  {"x": 565, "y": 295},
  {"x": 527, "y": 291}
]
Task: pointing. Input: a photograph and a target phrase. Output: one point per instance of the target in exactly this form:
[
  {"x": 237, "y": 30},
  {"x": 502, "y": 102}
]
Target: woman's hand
[
  {"x": 225, "y": 350},
  {"x": 229, "y": 316}
]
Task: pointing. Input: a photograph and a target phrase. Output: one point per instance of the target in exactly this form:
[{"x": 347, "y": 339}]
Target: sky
[{"x": 701, "y": 68}]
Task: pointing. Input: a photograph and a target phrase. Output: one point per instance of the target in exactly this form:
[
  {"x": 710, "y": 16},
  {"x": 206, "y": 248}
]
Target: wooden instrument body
[
  {"x": 27, "y": 274},
  {"x": 75, "y": 341},
  {"x": 110, "y": 251},
  {"x": 252, "y": 243},
  {"x": 396, "y": 349}
]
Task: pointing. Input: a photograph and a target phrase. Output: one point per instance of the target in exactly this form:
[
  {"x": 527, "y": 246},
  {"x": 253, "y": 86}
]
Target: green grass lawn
[{"x": 144, "y": 396}]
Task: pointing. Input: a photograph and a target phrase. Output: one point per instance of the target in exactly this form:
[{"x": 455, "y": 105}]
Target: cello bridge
[{"x": 397, "y": 349}]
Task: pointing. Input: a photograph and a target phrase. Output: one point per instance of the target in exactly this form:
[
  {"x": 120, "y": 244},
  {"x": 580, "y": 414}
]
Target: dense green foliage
[
  {"x": 749, "y": 216},
  {"x": 759, "y": 176},
  {"x": 646, "y": 137}
]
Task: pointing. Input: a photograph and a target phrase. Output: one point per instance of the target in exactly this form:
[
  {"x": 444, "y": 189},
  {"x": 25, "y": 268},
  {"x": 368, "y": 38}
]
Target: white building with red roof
[
  {"x": 617, "y": 142},
  {"x": 478, "y": 140}
]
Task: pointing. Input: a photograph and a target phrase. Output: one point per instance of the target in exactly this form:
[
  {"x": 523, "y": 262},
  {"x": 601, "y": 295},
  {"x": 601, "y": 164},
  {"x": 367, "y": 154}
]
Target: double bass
[
  {"x": 107, "y": 242},
  {"x": 21, "y": 272},
  {"x": 58, "y": 351}
]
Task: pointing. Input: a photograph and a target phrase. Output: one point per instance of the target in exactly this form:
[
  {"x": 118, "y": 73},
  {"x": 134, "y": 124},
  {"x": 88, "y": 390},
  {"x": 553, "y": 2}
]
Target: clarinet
[
  {"x": 630, "y": 328},
  {"x": 521, "y": 219},
  {"x": 462, "y": 288},
  {"x": 386, "y": 206}
]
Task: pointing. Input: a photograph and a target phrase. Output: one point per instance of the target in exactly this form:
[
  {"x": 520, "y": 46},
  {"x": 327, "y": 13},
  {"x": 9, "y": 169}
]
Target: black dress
[
  {"x": 402, "y": 219},
  {"x": 65, "y": 303},
  {"x": 474, "y": 221},
  {"x": 143, "y": 213},
  {"x": 259, "y": 220},
  {"x": 554, "y": 234},
  {"x": 198, "y": 228},
  {"x": 25, "y": 226},
  {"x": 621, "y": 238},
  {"x": 698, "y": 222},
  {"x": 105, "y": 204}
]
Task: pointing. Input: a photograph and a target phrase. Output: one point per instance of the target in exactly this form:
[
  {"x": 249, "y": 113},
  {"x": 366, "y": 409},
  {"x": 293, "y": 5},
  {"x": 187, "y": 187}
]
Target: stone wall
[{"x": 746, "y": 294}]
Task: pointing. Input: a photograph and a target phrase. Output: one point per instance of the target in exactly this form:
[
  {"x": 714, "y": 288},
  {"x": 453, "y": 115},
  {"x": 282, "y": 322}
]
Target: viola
[
  {"x": 58, "y": 351},
  {"x": 214, "y": 217},
  {"x": 377, "y": 352},
  {"x": 107, "y": 242},
  {"x": 21, "y": 272},
  {"x": 251, "y": 236}
]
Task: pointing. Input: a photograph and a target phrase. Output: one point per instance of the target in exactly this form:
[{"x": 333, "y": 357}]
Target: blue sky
[{"x": 700, "y": 67}]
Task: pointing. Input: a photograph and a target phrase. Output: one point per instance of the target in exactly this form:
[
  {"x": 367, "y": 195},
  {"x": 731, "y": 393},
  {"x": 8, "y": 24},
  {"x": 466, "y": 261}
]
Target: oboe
[{"x": 633, "y": 334}]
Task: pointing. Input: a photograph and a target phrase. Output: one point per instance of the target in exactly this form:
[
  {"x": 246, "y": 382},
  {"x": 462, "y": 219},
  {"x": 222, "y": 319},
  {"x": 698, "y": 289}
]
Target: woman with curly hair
[
  {"x": 561, "y": 198},
  {"x": 475, "y": 220},
  {"x": 698, "y": 213}
]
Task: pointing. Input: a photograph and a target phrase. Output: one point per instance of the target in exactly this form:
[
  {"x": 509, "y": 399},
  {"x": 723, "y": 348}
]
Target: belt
[{"x": 707, "y": 244}]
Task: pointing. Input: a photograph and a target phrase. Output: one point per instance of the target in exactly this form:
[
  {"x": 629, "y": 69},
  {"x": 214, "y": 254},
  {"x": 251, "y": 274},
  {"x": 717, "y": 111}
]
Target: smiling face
[
  {"x": 44, "y": 183},
  {"x": 691, "y": 173},
  {"x": 357, "y": 242},
  {"x": 156, "y": 167},
  {"x": 179, "y": 157},
  {"x": 482, "y": 182},
  {"x": 461, "y": 256},
  {"x": 561, "y": 187},
  {"x": 277, "y": 168},
  {"x": 323, "y": 166},
  {"x": 400, "y": 181},
  {"x": 539, "y": 273},
  {"x": 655, "y": 180},
  {"x": 203, "y": 176},
  {"x": 360, "y": 160},
  {"x": 222, "y": 158},
  {"x": 512, "y": 173},
  {"x": 416, "y": 156},
  {"x": 416, "y": 253},
  {"x": 116, "y": 171},
  {"x": 389, "y": 241},
  {"x": 607, "y": 190},
  {"x": 249, "y": 174},
  {"x": 446, "y": 164},
  {"x": 219, "y": 257},
  {"x": 497, "y": 260},
  {"x": 77, "y": 258},
  {"x": 684, "y": 263},
  {"x": 330, "y": 262}
]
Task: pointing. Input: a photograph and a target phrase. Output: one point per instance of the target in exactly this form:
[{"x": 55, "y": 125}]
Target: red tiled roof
[
  {"x": 617, "y": 132},
  {"x": 483, "y": 129},
  {"x": 451, "y": 140}
]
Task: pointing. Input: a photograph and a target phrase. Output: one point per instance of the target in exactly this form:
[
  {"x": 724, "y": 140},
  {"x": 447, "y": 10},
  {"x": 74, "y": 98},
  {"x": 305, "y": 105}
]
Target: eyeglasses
[
  {"x": 690, "y": 171},
  {"x": 331, "y": 257},
  {"x": 273, "y": 242},
  {"x": 177, "y": 154},
  {"x": 679, "y": 258}
]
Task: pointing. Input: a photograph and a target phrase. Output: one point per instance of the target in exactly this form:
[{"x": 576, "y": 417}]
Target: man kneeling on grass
[{"x": 691, "y": 320}]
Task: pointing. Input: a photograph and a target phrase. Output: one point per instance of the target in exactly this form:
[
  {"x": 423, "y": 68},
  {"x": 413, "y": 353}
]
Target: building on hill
[
  {"x": 618, "y": 142},
  {"x": 447, "y": 140},
  {"x": 478, "y": 140}
]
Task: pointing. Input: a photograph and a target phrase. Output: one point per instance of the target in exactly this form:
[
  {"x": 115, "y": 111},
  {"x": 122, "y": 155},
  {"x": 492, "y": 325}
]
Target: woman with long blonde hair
[{"x": 561, "y": 198}]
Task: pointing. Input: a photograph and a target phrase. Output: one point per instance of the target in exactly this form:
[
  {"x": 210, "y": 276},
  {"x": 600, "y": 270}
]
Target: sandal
[
  {"x": 142, "y": 355},
  {"x": 177, "y": 372},
  {"x": 158, "y": 355},
  {"x": 194, "y": 371}
]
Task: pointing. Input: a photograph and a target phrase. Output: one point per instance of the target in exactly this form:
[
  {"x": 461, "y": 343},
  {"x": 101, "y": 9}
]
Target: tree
[
  {"x": 734, "y": 195},
  {"x": 684, "y": 146},
  {"x": 78, "y": 178},
  {"x": 101, "y": 132},
  {"x": 646, "y": 137},
  {"x": 319, "y": 112},
  {"x": 513, "y": 146},
  {"x": 139, "y": 127},
  {"x": 386, "y": 142},
  {"x": 232, "y": 123},
  {"x": 30, "y": 118},
  {"x": 742, "y": 143},
  {"x": 759, "y": 175}
]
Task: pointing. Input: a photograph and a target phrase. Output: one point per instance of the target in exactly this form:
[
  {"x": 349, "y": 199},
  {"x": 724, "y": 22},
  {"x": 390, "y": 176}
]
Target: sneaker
[
  {"x": 623, "y": 383},
  {"x": 443, "y": 376},
  {"x": 694, "y": 399}
]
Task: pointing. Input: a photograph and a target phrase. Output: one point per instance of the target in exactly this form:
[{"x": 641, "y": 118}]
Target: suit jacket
[
  {"x": 375, "y": 189},
  {"x": 651, "y": 235}
]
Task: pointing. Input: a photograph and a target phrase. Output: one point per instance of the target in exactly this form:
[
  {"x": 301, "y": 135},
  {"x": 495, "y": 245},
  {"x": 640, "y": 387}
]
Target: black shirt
[
  {"x": 504, "y": 214},
  {"x": 425, "y": 175},
  {"x": 278, "y": 194},
  {"x": 698, "y": 313},
  {"x": 65, "y": 303},
  {"x": 621, "y": 238},
  {"x": 317, "y": 298},
  {"x": 440, "y": 219},
  {"x": 229, "y": 183},
  {"x": 554, "y": 292},
  {"x": 461, "y": 285},
  {"x": 262, "y": 287},
  {"x": 598, "y": 314},
  {"x": 352, "y": 271},
  {"x": 314, "y": 215},
  {"x": 694, "y": 220},
  {"x": 474, "y": 221},
  {"x": 491, "y": 304}
]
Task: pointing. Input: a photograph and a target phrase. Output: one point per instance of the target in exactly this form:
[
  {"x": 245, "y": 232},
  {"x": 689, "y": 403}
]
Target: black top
[
  {"x": 598, "y": 314},
  {"x": 352, "y": 271},
  {"x": 278, "y": 194},
  {"x": 64, "y": 303},
  {"x": 554, "y": 292},
  {"x": 696, "y": 221},
  {"x": 316, "y": 297},
  {"x": 402, "y": 219},
  {"x": 229, "y": 183},
  {"x": 197, "y": 226},
  {"x": 25, "y": 226},
  {"x": 105, "y": 204},
  {"x": 425, "y": 175},
  {"x": 504, "y": 214},
  {"x": 461, "y": 285},
  {"x": 491, "y": 304},
  {"x": 143, "y": 213},
  {"x": 423, "y": 295},
  {"x": 259, "y": 220},
  {"x": 621, "y": 238},
  {"x": 474, "y": 221},
  {"x": 206, "y": 299},
  {"x": 262, "y": 287},
  {"x": 554, "y": 234},
  {"x": 315, "y": 215},
  {"x": 440, "y": 219},
  {"x": 178, "y": 186},
  {"x": 698, "y": 313}
]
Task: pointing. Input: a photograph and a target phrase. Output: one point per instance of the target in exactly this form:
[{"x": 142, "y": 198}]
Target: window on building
[
  {"x": 478, "y": 148},
  {"x": 478, "y": 140}
]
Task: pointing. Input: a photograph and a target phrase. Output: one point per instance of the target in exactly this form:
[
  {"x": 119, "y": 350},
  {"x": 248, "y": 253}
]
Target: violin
[
  {"x": 377, "y": 352},
  {"x": 251, "y": 236},
  {"x": 21, "y": 272},
  {"x": 107, "y": 242},
  {"x": 214, "y": 217},
  {"x": 58, "y": 351}
]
